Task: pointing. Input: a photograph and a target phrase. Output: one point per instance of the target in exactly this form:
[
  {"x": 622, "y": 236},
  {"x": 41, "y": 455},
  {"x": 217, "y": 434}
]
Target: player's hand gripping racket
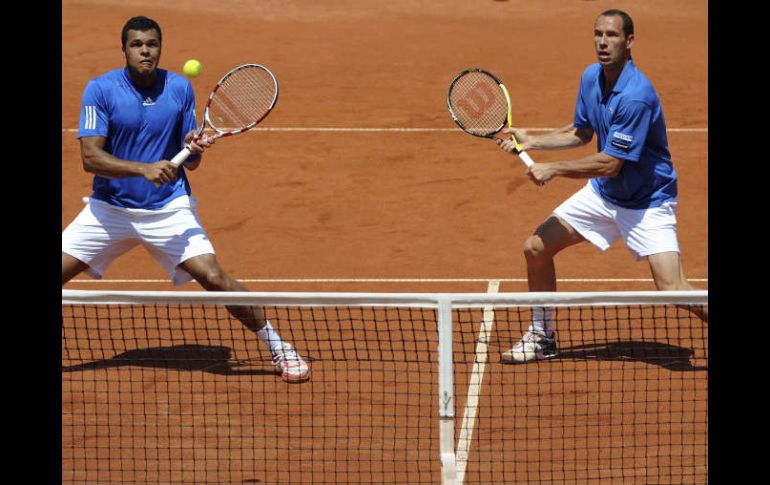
[
  {"x": 241, "y": 99},
  {"x": 480, "y": 105}
]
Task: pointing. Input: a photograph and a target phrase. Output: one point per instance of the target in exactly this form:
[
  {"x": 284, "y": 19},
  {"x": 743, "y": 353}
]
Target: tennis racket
[
  {"x": 241, "y": 99},
  {"x": 480, "y": 104}
]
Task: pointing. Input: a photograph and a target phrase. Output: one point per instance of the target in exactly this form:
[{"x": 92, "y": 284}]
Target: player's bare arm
[
  {"x": 562, "y": 138},
  {"x": 594, "y": 165},
  {"x": 99, "y": 162}
]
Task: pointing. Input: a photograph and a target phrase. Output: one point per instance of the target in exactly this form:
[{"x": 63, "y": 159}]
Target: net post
[{"x": 446, "y": 392}]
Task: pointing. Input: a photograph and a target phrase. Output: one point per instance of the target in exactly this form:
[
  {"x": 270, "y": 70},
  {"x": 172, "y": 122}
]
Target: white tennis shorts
[
  {"x": 644, "y": 231},
  {"x": 102, "y": 232}
]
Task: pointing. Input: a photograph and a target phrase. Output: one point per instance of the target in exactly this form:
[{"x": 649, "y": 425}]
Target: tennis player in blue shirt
[
  {"x": 632, "y": 191},
  {"x": 133, "y": 120}
]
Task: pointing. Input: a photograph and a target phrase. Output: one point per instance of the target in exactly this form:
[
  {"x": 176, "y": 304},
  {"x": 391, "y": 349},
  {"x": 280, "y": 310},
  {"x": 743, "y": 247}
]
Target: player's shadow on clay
[
  {"x": 668, "y": 356},
  {"x": 205, "y": 358}
]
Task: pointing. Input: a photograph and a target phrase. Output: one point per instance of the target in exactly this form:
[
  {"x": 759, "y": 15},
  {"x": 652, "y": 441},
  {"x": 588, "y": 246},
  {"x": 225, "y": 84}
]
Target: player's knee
[
  {"x": 215, "y": 279},
  {"x": 534, "y": 248}
]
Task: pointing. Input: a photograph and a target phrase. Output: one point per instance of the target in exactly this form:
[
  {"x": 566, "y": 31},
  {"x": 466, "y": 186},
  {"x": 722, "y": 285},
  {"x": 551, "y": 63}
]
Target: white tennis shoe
[
  {"x": 532, "y": 346},
  {"x": 289, "y": 364}
]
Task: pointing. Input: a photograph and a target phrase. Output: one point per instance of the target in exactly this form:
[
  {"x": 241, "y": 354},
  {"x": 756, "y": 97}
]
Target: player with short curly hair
[{"x": 133, "y": 120}]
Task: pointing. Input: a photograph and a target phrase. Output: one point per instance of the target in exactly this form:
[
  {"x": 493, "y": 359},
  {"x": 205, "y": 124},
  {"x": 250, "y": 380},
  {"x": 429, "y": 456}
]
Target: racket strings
[
  {"x": 478, "y": 103},
  {"x": 243, "y": 98}
]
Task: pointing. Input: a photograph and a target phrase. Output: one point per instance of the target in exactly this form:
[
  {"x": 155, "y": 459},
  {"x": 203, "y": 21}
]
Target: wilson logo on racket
[
  {"x": 478, "y": 100},
  {"x": 479, "y": 103}
]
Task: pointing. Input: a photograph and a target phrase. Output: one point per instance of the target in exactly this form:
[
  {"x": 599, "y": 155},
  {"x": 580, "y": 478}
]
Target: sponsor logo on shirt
[
  {"x": 621, "y": 141},
  {"x": 148, "y": 102}
]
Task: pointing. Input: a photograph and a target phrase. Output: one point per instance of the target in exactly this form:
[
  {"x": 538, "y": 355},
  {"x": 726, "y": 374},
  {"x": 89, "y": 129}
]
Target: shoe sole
[
  {"x": 296, "y": 379},
  {"x": 511, "y": 360},
  {"x": 286, "y": 377}
]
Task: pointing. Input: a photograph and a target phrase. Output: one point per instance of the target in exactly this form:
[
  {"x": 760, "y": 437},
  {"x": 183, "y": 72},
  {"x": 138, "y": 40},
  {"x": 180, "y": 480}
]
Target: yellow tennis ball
[{"x": 192, "y": 68}]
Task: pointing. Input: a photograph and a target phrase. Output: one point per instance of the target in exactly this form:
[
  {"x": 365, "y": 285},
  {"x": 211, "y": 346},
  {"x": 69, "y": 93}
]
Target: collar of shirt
[
  {"x": 623, "y": 79},
  {"x": 147, "y": 94}
]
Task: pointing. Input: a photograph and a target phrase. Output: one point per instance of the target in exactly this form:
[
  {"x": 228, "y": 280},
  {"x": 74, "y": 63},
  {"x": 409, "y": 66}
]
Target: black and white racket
[{"x": 480, "y": 104}]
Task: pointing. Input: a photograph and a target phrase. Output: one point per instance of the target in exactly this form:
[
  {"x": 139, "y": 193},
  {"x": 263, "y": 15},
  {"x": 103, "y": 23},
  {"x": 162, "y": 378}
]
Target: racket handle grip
[
  {"x": 524, "y": 156},
  {"x": 181, "y": 156}
]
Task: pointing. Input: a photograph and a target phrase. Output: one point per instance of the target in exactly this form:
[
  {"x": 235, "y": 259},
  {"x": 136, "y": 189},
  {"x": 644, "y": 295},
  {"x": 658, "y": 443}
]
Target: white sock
[
  {"x": 542, "y": 321},
  {"x": 270, "y": 336}
]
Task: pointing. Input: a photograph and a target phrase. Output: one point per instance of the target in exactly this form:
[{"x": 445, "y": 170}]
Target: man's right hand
[
  {"x": 160, "y": 172},
  {"x": 508, "y": 145}
]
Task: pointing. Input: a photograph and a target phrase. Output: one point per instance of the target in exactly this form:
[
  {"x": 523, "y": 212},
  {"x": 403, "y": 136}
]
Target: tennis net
[{"x": 168, "y": 387}]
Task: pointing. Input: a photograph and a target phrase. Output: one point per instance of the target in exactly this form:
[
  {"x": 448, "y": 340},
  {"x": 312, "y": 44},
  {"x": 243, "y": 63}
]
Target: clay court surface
[
  {"x": 316, "y": 197},
  {"x": 309, "y": 204}
]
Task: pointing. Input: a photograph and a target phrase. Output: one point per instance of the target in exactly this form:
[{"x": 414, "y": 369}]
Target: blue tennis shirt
[
  {"x": 629, "y": 125},
  {"x": 140, "y": 125}
]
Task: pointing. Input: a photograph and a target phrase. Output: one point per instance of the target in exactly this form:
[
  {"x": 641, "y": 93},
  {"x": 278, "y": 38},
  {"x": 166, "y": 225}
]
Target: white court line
[
  {"x": 474, "y": 387},
  {"x": 403, "y": 130},
  {"x": 398, "y": 280}
]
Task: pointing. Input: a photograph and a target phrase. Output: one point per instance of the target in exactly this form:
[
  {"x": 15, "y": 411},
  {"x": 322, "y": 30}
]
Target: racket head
[
  {"x": 242, "y": 98},
  {"x": 478, "y": 103}
]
